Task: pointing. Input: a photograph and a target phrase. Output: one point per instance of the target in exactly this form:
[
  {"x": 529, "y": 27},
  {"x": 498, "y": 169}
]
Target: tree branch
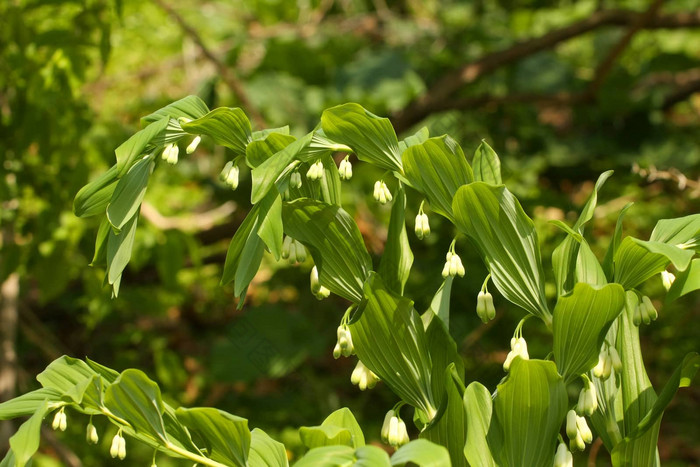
[
  {"x": 438, "y": 97},
  {"x": 226, "y": 73},
  {"x": 192, "y": 223}
]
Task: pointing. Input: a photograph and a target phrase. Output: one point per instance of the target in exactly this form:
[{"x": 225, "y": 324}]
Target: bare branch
[{"x": 193, "y": 223}]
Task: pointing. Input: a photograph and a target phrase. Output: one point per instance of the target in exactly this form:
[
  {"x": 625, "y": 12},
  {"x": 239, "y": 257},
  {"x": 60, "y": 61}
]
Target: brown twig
[
  {"x": 227, "y": 75},
  {"x": 192, "y": 223},
  {"x": 593, "y": 455},
  {"x": 439, "y": 96}
]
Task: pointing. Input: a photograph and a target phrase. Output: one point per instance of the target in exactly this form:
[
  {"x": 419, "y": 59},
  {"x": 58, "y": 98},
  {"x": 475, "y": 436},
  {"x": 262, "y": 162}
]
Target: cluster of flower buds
[
  {"x": 317, "y": 289},
  {"x": 59, "y": 420},
  {"x": 344, "y": 345},
  {"x": 394, "y": 430},
  {"x": 229, "y": 175},
  {"x": 381, "y": 192},
  {"x": 363, "y": 377},
  {"x": 484, "y": 306},
  {"x": 118, "y": 448},
  {"x": 578, "y": 432},
  {"x": 345, "y": 169},
  {"x": 170, "y": 153},
  {"x": 315, "y": 171},
  {"x": 645, "y": 312},
  {"x": 518, "y": 348},
  {"x": 587, "y": 399},
  {"x": 295, "y": 180},
  {"x": 293, "y": 250},
  {"x": 667, "y": 279},
  {"x": 453, "y": 265},
  {"x": 608, "y": 360},
  {"x": 422, "y": 224},
  {"x": 563, "y": 457},
  {"x": 91, "y": 434},
  {"x": 193, "y": 145}
]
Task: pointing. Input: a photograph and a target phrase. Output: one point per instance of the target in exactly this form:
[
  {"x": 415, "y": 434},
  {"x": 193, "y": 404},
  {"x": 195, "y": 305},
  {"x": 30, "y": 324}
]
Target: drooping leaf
[
  {"x": 487, "y": 165},
  {"x": 397, "y": 259},
  {"x": 265, "y": 451},
  {"x": 235, "y": 248},
  {"x": 135, "y": 398},
  {"x": 227, "y": 126},
  {"x": 638, "y": 260},
  {"x": 479, "y": 409},
  {"x": 271, "y": 230},
  {"x": 530, "y": 407},
  {"x": 443, "y": 354},
  {"x": 437, "y": 168},
  {"x": 440, "y": 305},
  {"x": 608, "y": 263},
  {"x": 339, "y": 428},
  {"x": 119, "y": 251},
  {"x": 93, "y": 198},
  {"x": 64, "y": 373},
  {"x": 581, "y": 321},
  {"x": 191, "y": 107},
  {"x": 449, "y": 427},
  {"x": 677, "y": 231},
  {"x": 25, "y": 442},
  {"x": 335, "y": 243},
  {"x": 226, "y": 436},
  {"x": 129, "y": 193},
  {"x": 372, "y": 138},
  {"x": 132, "y": 148},
  {"x": 493, "y": 218},
  {"x": 403, "y": 359},
  {"x": 422, "y": 453},
  {"x": 266, "y": 174},
  {"x": 27, "y": 404},
  {"x": 100, "y": 256}
]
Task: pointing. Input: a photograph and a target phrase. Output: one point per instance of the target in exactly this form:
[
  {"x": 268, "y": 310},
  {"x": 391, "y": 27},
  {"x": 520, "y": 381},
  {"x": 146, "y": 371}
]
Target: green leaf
[
  {"x": 677, "y": 231},
  {"x": 581, "y": 321},
  {"x": 266, "y": 174},
  {"x": 191, "y": 107},
  {"x": 397, "y": 259},
  {"x": 108, "y": 374},
  {"x": 479, "y": 408},
  {"x": 225, "y": 436},
  {"x": 119, "y": 250},
  {"x": 443, "y": 353},
  {"x": 271, "y": 230},
  {"x": 64, "y": 373},
  {"x": 129, "y": 193},
  {"x": 449, "y": 428},
  {"x": 99, "y": 258},
  {"x": 93, "y": 198},
  {"x": 235, "y": 248},
  {"x": 262, "y": 134},
  {"x": 437, "y": 168},
  {"x": 589, "y": 208},
  {"x": 25, "y": 442},
  {"x": 608, "y": 264},
  {"x": 327, "y": 456},
  {"x": 403, "y": 359},
  {"x": 135, "y": 398},
  {"x": 226, "y": 126},
  {"x": 339, "y": 428},
  {"x": 335, "y": 243},
  {"x": 258, "y": 151},
  {"x": 638, "y": 260},
  {"x": 372, "y": 138},
  {"x": 487, "y": 165},
  {"x": 132, "y": 148},
  {"x": 422, "y": 453},
  {"x": 530, "y": 407},
  {"x": 418, "y": 137},
  {"x": 371, "y": 456},
  {"x": 493, "y": 218},
  {"x": 265, "y": 451},
  {"x": 686, "y": 281},
  {"x": 28, "y": 403},
  {"x": 440, "y": 305},
  {"x": 330, "y": 183},
  {"x": 588, "y": 268}
]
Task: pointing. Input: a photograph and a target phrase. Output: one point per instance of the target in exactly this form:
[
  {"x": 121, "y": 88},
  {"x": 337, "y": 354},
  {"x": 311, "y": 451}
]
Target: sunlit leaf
[
  {"x": 27, "y": 404},
  {"x": 265, "y": 451},
  {"x": 686, "y": 281},
  {"x": 227, "y": 126},
  {"x": 129, "y": 193},
  {"x": 479, "y": 410},
  {"x": 638, "y": 260},
  {"x": 119, "y": 250},
  {"x": 339, "y": 428},
  {"x": 487, "y": 165},
  {"x": 265, "y": 175},
  {"x": 25, "y": 442},
  {"x": 260, "y": 150},
  {"x": 397, "y": 259},
  {"x": 135, "y": 146},
  {"x": 226, "y": 436},
  {"x": 93, "y": 198},
  {"x": 191, "y": 107},
  {"x": 423, "y": 453}
]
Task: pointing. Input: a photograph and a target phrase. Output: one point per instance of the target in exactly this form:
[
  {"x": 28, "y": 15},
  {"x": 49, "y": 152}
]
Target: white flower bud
[
  {"x": 650, "y": 309},
  {"x": 229, "y": 175},
  {"x": 481, "y": 307},
  {"x": 116, "y": 443},
  {"x": 615, "y": 359},
  {"x": 571, "y": 429},
  {"x": 587, "y": 400},
  {"x": 300, "y": 251},
  {"x": 319, "y": 291},
  {"x": 193, "y": 145},
  {"x": 583, "y": 430},
  {"x": 336, "y": 351},
  {"x": 667, "y": 279},
  {"x": 387, "y": 193},
  {"x": 122, "y": 448},
  {"x": 345, "y": 169},
  {"x": 398, "y": 434},
  {"x": 345, "y": 341},
  {"x": 381, "y": 192},
  {"x": 363, "y": 377},
  {"x": 57, "y": 420},
  {"x": 518, "y": 349},
  {"x": 315, "y": 172},
  {"x": 637, "y": 316},
  {"x": 602, "y": 369},
  {"x": 563, "y": 457},
  {"x": 170, "y": 153},
  {"x": 387, "y": 425},
  {"x": 577, "y": 444},
  {"x": 286, "y": 247},
  {"x": 295, "y": 180},
  {"x": 91, "y": 434}
]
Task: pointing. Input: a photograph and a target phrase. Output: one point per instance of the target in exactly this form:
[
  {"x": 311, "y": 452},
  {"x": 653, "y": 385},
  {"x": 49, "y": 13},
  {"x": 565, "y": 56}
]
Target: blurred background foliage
[{"x": 562, "y": 90}]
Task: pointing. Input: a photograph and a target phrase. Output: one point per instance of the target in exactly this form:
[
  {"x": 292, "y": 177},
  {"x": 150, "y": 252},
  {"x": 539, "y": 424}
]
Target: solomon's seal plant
[{"x": 593, "y": 383}]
